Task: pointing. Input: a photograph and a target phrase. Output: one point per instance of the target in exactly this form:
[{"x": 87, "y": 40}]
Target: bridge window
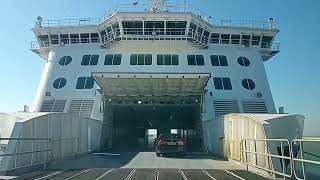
[
  {"x": 54, "y": 38},
  {"x": 94, "y": 38},
  {"x": 112, "y": 59},
  {"x": 225, "y": 38},
  {"x": 222, "y": 83},
  {"x": 245, "y": 40},
  {"x": 218, "y": 60},
  {"x": 64, "y": 38},
  {"x": 248, "y": 84},
  {"x": 85, "y": 83},
  {"x": 243, "y": 61},
  {"x": 167, "y": 59},
  {"x": 140, "y": 59},
  {"x": 84, "y": 38},
  {"x": 74, "y": 38},
  {"x": 176, "y": 27},
  {"x": 195, "y": 60},
  {"x": 90, "y": 60},
  {"x": 65, "y": 60},
  {"x": 116, "y": 28},
  {"x": 205, "y": 37},
  {"x": 192, "y": 30},
  {"x": 215, "y": 38},
  {"x": 132, "y": 27},
  {"x": 255, "y": 40},
  {"x": 59, "y": 83},
  {"x": 266, "y": 41},
  {"x": 44, "y": 40},
  {"x": 154, "y": 28},
  {"x": 235, "y": 39}
]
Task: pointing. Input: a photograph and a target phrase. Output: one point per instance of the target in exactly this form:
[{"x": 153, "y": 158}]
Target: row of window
[
  {"x": 82, "y": 83},
  {"x": 69, "y": 38},
  {"x": 220, "y": 83},
  {"x": 224, "y": 83},
  {"x": 162, "y": 59}
]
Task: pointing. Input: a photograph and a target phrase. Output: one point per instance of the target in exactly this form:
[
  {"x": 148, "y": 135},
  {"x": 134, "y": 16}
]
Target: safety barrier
[
  {"x": 252, "y": 148},
  {"x": 298, "y": 143},
  {"x": 28, "y": 152},
  {"x": 259, "y": 153}
]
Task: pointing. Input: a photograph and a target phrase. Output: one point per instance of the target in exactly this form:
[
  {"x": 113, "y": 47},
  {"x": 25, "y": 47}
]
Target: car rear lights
[
  {"x": 162, "y": 142},
  {"x": 180, "y": 143}
]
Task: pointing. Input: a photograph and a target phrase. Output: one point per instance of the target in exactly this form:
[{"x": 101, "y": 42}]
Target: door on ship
[{"x": 135, "y": 103}]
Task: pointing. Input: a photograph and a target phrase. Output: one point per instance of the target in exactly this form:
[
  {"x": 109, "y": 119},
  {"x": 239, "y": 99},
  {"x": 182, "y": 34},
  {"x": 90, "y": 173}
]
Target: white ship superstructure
[
  {"x": 117, "y": 82},
  {"x": 145, "y": 60}
]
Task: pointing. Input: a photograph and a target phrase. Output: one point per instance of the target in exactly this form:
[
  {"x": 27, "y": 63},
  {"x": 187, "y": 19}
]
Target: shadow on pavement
[{"x": 94, "y": 161}]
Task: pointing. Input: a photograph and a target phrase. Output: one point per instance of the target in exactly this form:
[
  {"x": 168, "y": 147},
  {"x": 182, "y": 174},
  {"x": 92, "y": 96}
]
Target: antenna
[
  {"x": 184, "y": 5},
  {"x": 157, "y": 5}
]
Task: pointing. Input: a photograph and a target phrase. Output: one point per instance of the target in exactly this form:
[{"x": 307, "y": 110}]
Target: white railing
[
  {"x": 289, "y": 153},
  {"x": 132, "y": 7},
  {"x": 25, "y": 153},
  {"x": 30, "y": 152},
  {"x": 68, "y": 22},
  {"x": 256, "y": 151},
  {"x": 62, "y": 41},
  {"x": 299, "y": 143}
]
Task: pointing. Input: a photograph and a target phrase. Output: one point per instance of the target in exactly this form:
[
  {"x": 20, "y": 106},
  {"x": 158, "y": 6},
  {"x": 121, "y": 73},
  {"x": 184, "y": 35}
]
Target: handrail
[
  {"x": 52, "y": 149},
  {"x": 268, "y": 154},
  {"x": 33, "y": 151},
  {"x": 144, "y": 8},
  {"x": 301, "y": 159}
]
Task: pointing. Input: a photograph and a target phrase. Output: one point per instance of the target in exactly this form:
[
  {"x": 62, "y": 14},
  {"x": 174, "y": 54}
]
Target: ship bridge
[
  {"x": 134, "y": 23},
  {"x": 137, "y": 106}
]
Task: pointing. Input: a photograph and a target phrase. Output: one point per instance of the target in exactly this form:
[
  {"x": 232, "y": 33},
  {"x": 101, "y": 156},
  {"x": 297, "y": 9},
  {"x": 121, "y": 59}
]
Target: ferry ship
[{"x": 113, "y": 84}]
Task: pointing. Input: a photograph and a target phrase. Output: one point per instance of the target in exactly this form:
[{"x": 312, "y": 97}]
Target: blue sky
[{"x": 294, "y": 73}]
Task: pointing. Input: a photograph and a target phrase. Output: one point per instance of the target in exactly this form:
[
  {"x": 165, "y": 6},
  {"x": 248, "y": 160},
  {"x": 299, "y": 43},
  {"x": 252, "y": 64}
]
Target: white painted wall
[
  {"x": 69, "y": 134},
  {"x": 71, "y": 72}
]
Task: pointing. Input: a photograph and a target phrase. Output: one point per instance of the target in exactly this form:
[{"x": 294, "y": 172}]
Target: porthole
[
  {"x": 59, "y": 83},
  {"x": 243, "y": 61},
  {"x": 248, "y": 84},
  {"x": 65, "y": 60}
]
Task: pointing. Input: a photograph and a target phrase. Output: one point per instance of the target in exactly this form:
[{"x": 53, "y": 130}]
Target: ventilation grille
[
  {"x": 81, "y": 107},
  {"x": 53, "y": 105},
  {"x": 223, "y": 107},
  {"x": 254, "y": 107}
]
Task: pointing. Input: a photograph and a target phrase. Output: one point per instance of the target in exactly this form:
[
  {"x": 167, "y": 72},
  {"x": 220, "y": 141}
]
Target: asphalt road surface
[
  {"x": 142, "y": 174},
  {"x": 143, "y": 166}
]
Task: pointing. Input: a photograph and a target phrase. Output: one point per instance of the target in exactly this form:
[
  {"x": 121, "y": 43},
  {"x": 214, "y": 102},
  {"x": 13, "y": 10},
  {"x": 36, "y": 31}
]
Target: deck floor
[{"x": 143, "y": 166}]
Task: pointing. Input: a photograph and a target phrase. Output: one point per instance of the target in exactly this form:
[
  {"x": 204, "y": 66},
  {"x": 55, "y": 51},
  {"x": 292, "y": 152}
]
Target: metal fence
[
  {"x": 300, "y": 144},
  {"x": 261, "y": 153},
  {"x": 27, "y": 152},
  {"x": 257, "y": 153}
]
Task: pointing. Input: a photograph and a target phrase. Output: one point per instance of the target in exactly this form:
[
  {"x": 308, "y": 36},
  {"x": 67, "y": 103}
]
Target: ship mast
[{"x": 157, "y": 5}]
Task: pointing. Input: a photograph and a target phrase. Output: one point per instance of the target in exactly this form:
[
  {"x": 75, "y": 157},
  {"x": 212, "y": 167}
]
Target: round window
[
  {"x": 65, "y": 60},
  {"x": 243, "y": 61},
  {"x": 59, "y": 83},
  {"x": 248, "y": 84}
]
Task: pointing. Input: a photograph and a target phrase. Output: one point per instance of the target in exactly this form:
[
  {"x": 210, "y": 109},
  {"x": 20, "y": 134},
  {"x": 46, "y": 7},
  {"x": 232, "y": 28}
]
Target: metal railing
[
  {"x": 62, "y": 41},
  {"x": 299, "y": 144},
  {"x": 25, "y": 158},
  {"x": 68, "y": 22},
  {"x": 172, "y": 8},
  {"x": 250, "y": 157},
  {"x": 28, "y": 152}
]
